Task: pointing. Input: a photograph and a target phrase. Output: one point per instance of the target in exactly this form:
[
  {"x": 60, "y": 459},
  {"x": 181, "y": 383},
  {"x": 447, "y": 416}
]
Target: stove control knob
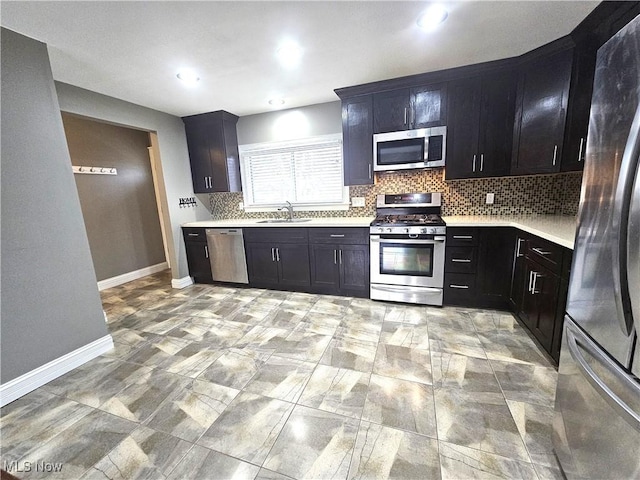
[
  {"x": 423, "y": 230},
  {"x": 406, "y": 230},
  {"x": 388, "y": 229},
  {"x": 380, "y": 229}
]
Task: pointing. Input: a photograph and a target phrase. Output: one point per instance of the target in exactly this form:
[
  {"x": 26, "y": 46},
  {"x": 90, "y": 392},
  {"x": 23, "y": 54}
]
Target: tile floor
[{"x": 213, "y": 382}]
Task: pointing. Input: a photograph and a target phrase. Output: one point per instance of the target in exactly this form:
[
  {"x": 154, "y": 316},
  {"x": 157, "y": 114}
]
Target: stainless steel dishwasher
[{"x": 226, "y": 254}]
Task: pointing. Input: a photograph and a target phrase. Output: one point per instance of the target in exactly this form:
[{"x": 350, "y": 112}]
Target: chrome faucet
[{"x": 289, "y": 208}]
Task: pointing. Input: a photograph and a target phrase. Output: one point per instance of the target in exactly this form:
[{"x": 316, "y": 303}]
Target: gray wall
[
  {"x": 50, "y": 300},
  {"x": 120, "y": 211},
  {"x": 174, "y": 156},
  {"x": 309, "y": 121}
]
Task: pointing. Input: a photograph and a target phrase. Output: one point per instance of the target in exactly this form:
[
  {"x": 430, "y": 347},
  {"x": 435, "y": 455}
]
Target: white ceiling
[{"x": 133, "y": 50}]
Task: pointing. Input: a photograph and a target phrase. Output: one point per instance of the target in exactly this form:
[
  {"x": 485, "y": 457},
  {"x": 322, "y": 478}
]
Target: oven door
[{"x": 401, "y": 260}]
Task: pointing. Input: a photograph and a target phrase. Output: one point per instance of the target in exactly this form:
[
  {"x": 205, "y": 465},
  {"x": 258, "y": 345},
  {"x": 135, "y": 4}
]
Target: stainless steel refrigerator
[{"x": 597, "y": 411}]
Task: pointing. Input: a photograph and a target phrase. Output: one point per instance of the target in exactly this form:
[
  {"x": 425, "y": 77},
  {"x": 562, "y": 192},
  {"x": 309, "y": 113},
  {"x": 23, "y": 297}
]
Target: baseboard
[
  {"x": 129, "y": 277},
  {"x": 181, "y": 282},
  {"x": 28, "y": 382}
]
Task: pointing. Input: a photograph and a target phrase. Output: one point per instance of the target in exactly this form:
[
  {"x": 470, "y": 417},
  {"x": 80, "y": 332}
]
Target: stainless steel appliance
[
  {"x": 597, "y": 420},
  {"x": 407, "y": 249},
  {"x": 227, "y": 256},
  {"x": 425, "y": 147}
]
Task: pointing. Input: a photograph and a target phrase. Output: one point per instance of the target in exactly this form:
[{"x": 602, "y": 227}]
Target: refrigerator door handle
[
  {"x": 633, "y": 249},
  {"x": 575, "y": 345},
  {"x": 620, "y": 223}
]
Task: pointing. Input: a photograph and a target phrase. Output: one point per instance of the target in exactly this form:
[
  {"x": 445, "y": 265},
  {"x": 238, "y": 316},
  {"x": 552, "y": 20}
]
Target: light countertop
[
  {"x": 560, "y": 229},
  {"x": 254, "y": 222}
]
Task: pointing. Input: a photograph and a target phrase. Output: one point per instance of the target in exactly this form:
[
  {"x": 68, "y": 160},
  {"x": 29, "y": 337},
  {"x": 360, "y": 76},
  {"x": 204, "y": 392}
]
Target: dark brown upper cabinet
[
  {"x": 357, "y": 138},
  {"x": 410, "y": 108},
  {"x": 541, "y": 113},
  {"x": 213, "y": 152},
  {"x": 480, "y": 125}
]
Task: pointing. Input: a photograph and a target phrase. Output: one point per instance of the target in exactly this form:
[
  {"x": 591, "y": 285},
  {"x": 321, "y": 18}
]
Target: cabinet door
[
  {"x": 428, "y": 106},
  {"x": 357, "y": 133},
  {"x": 391, "y": 111},
  {"x": 198, "y": 262},
  {"x": 324, "y": 268},
  {"x": 354, "y": 270},
  {"x": 495, "y": 254},
  {"x": 518, "y": 275},
  {"x": 543, "y": 94},
  {"x": 545, "y": 286},
  {"x": 199, "y": 156},
  {"x": 293, "y": 265},
  {"x": 497, "y": 104},
  {"x": 462, "y": 129},
  {"x": 262, "y": 265}
]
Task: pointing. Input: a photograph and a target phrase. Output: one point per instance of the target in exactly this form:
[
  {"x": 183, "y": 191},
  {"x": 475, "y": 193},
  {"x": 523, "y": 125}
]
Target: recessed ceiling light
[
  {"x": 432, "y": 17},
  {"x": 188, "y": 76},
  {"x": 276, "y": 102},
  {"x": 289, "y": 54}
]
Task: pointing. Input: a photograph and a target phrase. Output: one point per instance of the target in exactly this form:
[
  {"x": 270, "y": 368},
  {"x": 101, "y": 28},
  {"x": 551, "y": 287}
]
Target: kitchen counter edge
[{"x": 254, "y": 222}]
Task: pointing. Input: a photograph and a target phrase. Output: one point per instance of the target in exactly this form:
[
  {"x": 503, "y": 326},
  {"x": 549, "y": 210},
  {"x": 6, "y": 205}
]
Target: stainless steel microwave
[{"x": 422, "y": 148}]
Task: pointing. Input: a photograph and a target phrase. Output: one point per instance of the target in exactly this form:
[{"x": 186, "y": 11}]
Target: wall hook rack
[{"x": 95, "y": 170}]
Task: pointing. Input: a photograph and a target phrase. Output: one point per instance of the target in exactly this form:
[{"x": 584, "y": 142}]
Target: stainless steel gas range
[{"x": 407, "y": 248}]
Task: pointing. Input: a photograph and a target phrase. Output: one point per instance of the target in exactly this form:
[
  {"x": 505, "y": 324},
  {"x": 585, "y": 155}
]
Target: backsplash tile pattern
[{"x": 538, "y": 194}]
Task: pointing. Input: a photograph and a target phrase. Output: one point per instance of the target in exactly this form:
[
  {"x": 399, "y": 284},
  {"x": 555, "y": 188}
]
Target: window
[{"x": 305, "y": 172}]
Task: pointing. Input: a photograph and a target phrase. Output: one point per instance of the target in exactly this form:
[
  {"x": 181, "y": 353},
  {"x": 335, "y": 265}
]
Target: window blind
[{"x": 306, "y": 172}]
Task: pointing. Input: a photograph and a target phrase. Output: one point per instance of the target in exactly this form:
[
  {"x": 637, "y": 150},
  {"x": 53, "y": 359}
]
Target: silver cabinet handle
[
  {"x": 481, "y": 162},
  {"x": 412, "y": 114},
  {"x": 206, "y": 183},
  {"x": 273, "y": 254},
  {"x": 335, "y": 256},
  {"x": 369, "y": 171},
  {"x": 194, "y": 234},
  {"x": 206, "y": 251},
  {"x": 580, "y": 151},
  {"x": 539, "y": 251},
  {"x": 277, "y": 254},
  {"x": 461, "y": 260},
  {"x": 474, "y": 163},
  {"x": 463, "y": 237},
  {"x": 520, "y": 242},
  {"x": 555, "y": 154},
  {"x": 530, "y": 281},
  {"x": 464, "y": 287},
  {"x": 535, "y": 276},
  {"x": 405, "y": 115},
  {"x": 340, "y": 256},
  {"x": 335, "y": 235}
]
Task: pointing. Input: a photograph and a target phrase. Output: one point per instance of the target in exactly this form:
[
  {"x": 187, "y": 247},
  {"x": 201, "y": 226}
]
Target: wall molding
[
  {"x": 129, "y": 277},
  {"x": 29, "y": 381},
  {"x": 181, "y": 282}
]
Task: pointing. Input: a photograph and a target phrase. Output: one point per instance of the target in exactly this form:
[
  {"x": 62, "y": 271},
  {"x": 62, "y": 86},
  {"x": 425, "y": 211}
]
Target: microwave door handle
[{"x": 620, "y": 223}]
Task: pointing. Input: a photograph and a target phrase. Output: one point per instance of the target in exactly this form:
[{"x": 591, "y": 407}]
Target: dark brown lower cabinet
[
  {"x": 278, "y": 265},
  {"x": 340, "y": 269},
  {"x": 539, "y": 285},
  {"x": 195, "y": 242},
  {"x": 478, "y": 266}
]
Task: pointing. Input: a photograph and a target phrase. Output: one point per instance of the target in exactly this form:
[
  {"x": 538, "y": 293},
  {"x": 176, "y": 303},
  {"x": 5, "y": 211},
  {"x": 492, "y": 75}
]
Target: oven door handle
[{"x": 377, "y": 239}]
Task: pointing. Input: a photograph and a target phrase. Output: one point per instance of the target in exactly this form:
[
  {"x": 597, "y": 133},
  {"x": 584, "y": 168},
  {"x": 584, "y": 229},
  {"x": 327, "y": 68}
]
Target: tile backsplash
[{"x": 538, "y": 194}]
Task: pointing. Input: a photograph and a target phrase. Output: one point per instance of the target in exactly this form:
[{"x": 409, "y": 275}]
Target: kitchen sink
[{"x": 284, "y": 220}]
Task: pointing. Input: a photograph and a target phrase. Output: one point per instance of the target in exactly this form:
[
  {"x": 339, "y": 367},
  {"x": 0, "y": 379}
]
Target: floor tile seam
[
  {"x": 524, "y": 444},
  {"x": 530, "y": 462},
  {"x": 373, "y": 372}
]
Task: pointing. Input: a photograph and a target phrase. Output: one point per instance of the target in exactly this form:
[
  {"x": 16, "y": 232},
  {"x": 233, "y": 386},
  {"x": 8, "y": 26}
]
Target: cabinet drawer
[
  {"x": 460, "y": 289},
  {"x": 546, "y": 253},
  {"x": 194, "y": 234},
  {"x": 344, "y": 236},
  {"x": 276, "y": 235},
  {"x": 459, "y": 236},
  {"x": 461, "y": 259}
]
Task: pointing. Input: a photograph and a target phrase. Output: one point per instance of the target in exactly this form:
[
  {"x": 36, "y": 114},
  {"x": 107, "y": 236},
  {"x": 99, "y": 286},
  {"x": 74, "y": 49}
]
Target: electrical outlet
[
  {"x": 490, "y": 198},
  {"x": 240, "y": 205},
  {"x": 357, "y": 201}
]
